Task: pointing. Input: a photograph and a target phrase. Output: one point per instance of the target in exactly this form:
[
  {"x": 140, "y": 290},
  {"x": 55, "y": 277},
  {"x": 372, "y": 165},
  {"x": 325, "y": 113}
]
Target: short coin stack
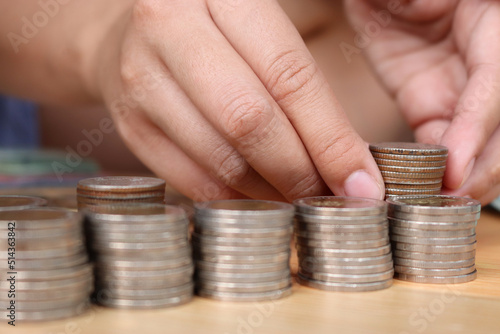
[
  {"x": 120, "y": 189},
  {"x": 242, "y": 249},
  {"x": 44, "y": 269},
  {"x": 14, "y": 202},
  {"x": 433, "y": 238},
  {"x": 343, "y": 244},
  {"x": 411, "y": 168},
  {"x": 141, "y": 254}
]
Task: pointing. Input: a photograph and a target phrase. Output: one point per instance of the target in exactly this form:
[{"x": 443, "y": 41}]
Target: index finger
[{"x": 267, "y": 40}]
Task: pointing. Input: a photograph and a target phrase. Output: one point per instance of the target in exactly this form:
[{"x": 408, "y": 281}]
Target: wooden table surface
[{"x": 405, "y": 308}]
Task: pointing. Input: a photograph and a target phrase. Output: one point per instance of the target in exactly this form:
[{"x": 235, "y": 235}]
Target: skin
[{"x": 211, "y": 101}]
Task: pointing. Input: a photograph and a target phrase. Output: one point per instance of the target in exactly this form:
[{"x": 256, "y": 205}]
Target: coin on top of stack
[
  {"x": 120, "y": 189},
  {"x": 242, "y": 249},
  {"x": 433, "y": 238},
  {"x": 411, "y": 168},
  {"x": 141, "y": 255},
  {"x": 15, "y": 202},
  {"x": 343, "y": 244},
  {"x": 44, "y": 268}
]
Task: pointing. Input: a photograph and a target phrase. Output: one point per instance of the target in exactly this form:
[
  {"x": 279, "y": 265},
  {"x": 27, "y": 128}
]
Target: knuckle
[
  {"x": 247, "y": 118},
  {"x": 232, "y": 169},
  {"x": 310, "y": 185},
  {"x": 292, "y": 76}
]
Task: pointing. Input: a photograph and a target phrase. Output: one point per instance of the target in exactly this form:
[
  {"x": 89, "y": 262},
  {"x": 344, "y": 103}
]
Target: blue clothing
[{"x": 18, "y": 124}]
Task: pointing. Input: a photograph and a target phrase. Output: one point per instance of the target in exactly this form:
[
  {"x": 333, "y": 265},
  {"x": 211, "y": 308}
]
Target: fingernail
[
  {"x": 468, "y": 171},
  {"x": 362, "y": 184}
]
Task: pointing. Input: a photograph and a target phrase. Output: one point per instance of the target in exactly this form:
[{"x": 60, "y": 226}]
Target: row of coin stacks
[{"x": 240, "y": 249}]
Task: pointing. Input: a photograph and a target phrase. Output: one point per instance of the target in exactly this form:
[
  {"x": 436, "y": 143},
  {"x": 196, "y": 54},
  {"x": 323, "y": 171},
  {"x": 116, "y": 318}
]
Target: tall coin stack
[
  {"x": 434, "y": 238},
  {"x": 44, "y": 268},
  {"x": 343, "y": 244},
  {"x": 14, "y": 202},
  {"x": 120, "y": 189},
  {"x": 141, "y": 255},
  {"x": 411, "y": 168},
  {"x": 242, "y": 249}
]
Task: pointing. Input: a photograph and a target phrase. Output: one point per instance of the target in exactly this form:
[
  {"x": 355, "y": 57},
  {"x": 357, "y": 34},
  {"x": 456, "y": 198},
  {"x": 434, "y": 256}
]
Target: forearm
[{"x": 50, "y": 48}]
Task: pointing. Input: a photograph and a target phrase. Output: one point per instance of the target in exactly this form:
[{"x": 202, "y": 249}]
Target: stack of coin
[
  {"x": 411, "y": 168},
  {"x": 242, "y": 249},
  {"x": 14, "y": 202},
  {"x": 44, "y": 268},
  {"x": 433, "y": 238},
  {"x": 120, "y": 189},
  {"x": 343, "y": 244},
  {"x": 141, "y": 255}
]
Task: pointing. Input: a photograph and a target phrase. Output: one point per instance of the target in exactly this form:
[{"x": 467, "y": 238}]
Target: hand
[
  {"x": 441, "y": 62},
  {"x": 222, "y": 99}
]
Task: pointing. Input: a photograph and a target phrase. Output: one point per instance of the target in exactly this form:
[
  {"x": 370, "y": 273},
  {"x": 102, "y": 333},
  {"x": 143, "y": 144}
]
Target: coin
[
  {"x": 342, "y": 228},
  {"x": 401, "y": 192},
  {"x": 243, "y": 259},
  {"x": 121, "y": 184},
  {"x": 440, "y": 249},
  {"x": 416, "y": 158},
  {"x": 416, "y": 181},
  {"x": 344, "y": 287},
  {"x": 14, "y": 202},
  {"x": 409, "y": 163},
  {"x": 146, "y": 303},
  {"x": 434, "y": 241},
  {"x": 435, "y": 205},
  {"x": 345, "y": 278},
  {"x": 53, "y": 314},
  {"x": 245, "y": 297},
  {"x": 433, "y": 256},
  {"x": 413, "y": 149},
  {"x": 340, "y": 206},
  {"x": 342, "y": 252},
  {"x": 307, "y": 260},
  {"x": 340, "y": 220},
  {"x": 346, "y": 269},
  {"x": 240, "y": 268},
  {"x": 407, "y": 169},
  {"x": 425, "y": 264},
  {"x": 438, "y": 279},
  {"x": 245, "y": 287},
  {"x": 401, "y": 186},
  {"x": 346, "y": 236},
  {"x": 241, "y": 209},
  {"x": 342, "y": 244},
  {"x": 432, "y": 233},
  {"x": 433, "y": 218},
  {"x": 433, "y": 226},
  {"x": 41, "y": 218},
  {"x": 239, "y": 241},
  {"x": 410, "y": 175}
]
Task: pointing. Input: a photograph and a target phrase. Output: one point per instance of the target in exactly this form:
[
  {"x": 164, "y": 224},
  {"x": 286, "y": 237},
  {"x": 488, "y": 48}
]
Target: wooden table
[{"x": 404, "y": 308}]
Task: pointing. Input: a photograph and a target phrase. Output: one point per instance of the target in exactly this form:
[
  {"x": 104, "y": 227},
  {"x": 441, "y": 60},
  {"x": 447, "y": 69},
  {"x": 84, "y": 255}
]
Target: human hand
[
  {"x": 441, "y": 62},
  {"x": 240, "y": 108}
]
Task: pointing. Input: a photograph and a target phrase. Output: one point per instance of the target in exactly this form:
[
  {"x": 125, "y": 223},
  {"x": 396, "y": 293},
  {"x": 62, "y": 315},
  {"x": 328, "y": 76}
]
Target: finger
[
  {"x": 234, "y": 101},
  {"x": 167, "y": 161},
  {"x": 477, "y": 113},
  {"x": 283, "y": 63},
  {"x": 172, "y": 111},
  {"x": 484, "y": 181}
]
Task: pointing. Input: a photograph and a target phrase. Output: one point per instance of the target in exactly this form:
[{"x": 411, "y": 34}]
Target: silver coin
[
  {"x": 409, "y": 175},
  {"x": 72, "y": 292},
  {"x": 59, "y": 233},
  {"x": 433, "y": 256},
  {"x": 137, "y": 213},
  {"x": 147, "y": 294},
  {"x": 410, "y": 163},
  {"x": 307, "y": 260},
  {"x": 120, "y": 183},
  {"x": 245, "y": 233},
  {"x": 362, "y": 253},
  {"x": 151, "y": 255},
  {"x": 48, "y": 264},
  {"x": 46, "y": 315},
  {"x": 147, "y": 303},
  {"x": 140, "y": 246},
  {"x": 242, "y": 223},
  {"x": 244, "y": 287},
  {"x": 46, "y": 284},
  {"x": 54, "y": 274},
  {"x": 244, "y": 259},
  {"x": 432, "y": 234},
  {"x": 34, "y": 306},
  {"x": 439, "y": 249},
  {"x": 346, "y": 269},
  {"x": 110, "y": 282},
  {"x": 340, "y": 206},
  {"x": 240, "y": 209},
  {"x": 401, "y": 192},
  {"x": 425, "y": 264},
  {"x": 434, "y": 272},
  {"x": 361, "y": 236},
  {"x": 406, "y": 157},
  {"x": 343, "y": 244},
  {"x": 243, "y": 277},
  {"x": 245, "y": 297},
  {"x": 432, "y": 226},
  {"x": 434, "y": 218},
  {"x": 139, "y": 274},
  {"x": 434, "y": 241},
  {"x": 438, "y": 279},
  {"x": 203, "y": 240},
  {"x": 342, "y": 228},
  {"x": 407, "y": 148},
  {"x": 233, "y": 250},
  {"x": 241, "y": 268},
  {"x": 303, "y": 218},
  {"x": 15, "y": 202},
  {"x": 145, "y": 227},
  {"x": 41, "y": 218},
  {"x": 344, "y": 287},
  {"x": 344, "y": 278},
  {"x": 138, "y": 237},
  {"x": 435, "y": 205},
  {"x": 111, "y": 263},
  {"x": 70, "y": 249},
  {"x": 408, "y": 169},
  {"x": 389, "y": 181},
  {"x": 22, "y": 245}
]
